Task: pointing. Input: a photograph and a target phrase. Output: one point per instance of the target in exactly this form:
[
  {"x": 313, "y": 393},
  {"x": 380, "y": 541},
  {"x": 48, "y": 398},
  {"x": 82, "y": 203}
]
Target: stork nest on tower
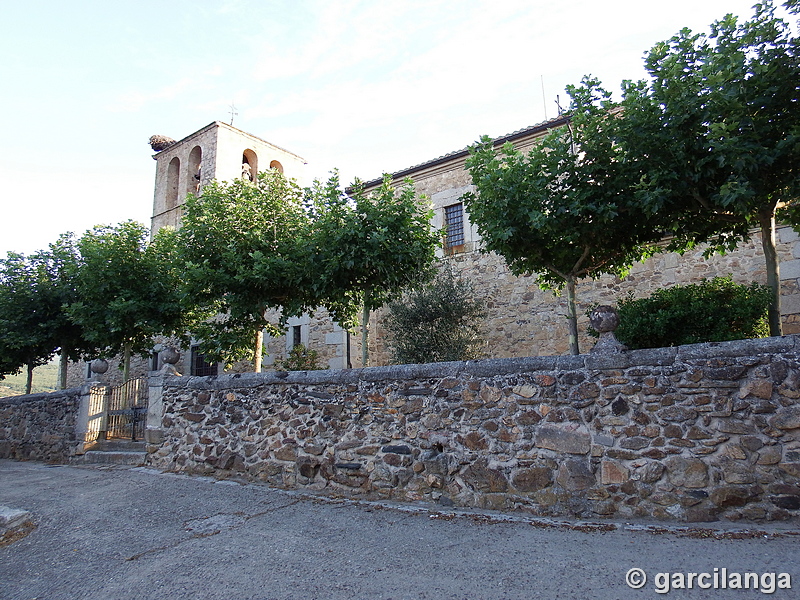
[{"x": 160, "y": 142}]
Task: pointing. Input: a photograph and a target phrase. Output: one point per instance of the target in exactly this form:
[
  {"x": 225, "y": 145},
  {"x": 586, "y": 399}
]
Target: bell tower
[{"x": 217, "y": 151}]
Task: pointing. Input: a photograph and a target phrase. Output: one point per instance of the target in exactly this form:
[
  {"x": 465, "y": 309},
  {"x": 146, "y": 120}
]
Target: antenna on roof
[
  {"x": 544, "y": 102},
  {"x": 233, "y": 112}
]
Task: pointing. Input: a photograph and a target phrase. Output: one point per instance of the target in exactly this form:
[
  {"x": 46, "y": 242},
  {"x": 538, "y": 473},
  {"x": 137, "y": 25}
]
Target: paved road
[{"x": 119, "y": 533}]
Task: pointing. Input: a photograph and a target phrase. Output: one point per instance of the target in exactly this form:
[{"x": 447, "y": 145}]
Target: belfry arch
[
  {"x": 173, "y": 177},
  {"x": 194, "y": 171},
  {"x": 249, "y": 165}
]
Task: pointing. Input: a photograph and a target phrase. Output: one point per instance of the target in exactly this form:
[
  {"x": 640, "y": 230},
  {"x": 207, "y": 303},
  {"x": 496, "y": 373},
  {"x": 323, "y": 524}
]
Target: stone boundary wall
[
  {"x": 40, "y": 426},
  {"x": 694, "y": 433}
]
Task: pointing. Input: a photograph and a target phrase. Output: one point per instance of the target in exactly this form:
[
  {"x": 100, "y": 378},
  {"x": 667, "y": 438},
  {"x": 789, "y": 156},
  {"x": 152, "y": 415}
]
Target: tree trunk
[
  {"x": 766, "y": 219},
  {"x": 126, "y": 362},
  {"x": 572, "y": 317},
  {"x": 29, "y": 381},
  {"x": 258, "y": 351},
  {"x": 365, "y": 332},
  {"x": 62, "y": 370}
]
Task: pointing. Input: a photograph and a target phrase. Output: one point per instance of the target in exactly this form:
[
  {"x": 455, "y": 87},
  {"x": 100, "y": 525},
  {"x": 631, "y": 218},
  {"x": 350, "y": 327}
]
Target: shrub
[
  {"x": 300, "y": 359},
  {"x": 715, "y": 310},
  {"x": 436, "y": 322}
]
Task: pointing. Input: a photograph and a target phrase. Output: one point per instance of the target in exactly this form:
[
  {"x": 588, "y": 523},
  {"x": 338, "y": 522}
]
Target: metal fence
[{"x": 126, "y": 410}]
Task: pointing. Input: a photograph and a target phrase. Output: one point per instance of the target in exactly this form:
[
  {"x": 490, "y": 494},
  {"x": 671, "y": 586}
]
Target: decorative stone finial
[
  {"x": 99, "y": 366},
  {"x": 605, "y": 320},
  {"x": 170, "y": 357}
]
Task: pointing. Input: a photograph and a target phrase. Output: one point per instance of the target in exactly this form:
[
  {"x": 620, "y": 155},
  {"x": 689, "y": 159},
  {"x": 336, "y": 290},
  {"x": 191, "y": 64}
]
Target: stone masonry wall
[
  {"x": 693, "y": 433},
  {"x": 40, "y": 426}
]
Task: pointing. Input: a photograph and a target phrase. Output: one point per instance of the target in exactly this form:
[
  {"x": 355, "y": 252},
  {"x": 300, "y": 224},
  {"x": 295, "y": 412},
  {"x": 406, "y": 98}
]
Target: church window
[
  {"x": 297, "y": 335},
  {"x": 173, "y": 174},
  {"x": 454, "y": 225},
  {"x": 276, "y": 165}
]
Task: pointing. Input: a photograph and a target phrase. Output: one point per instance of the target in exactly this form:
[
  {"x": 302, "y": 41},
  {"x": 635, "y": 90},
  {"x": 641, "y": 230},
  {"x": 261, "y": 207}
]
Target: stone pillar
[
  {"x": 90, "y": 424},
  {"x": 154, "y": 433}
]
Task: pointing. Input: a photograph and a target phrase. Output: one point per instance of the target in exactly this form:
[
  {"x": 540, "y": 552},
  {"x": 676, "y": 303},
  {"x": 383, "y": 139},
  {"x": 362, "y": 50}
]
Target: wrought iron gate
[{"x": 126, "y": 410}]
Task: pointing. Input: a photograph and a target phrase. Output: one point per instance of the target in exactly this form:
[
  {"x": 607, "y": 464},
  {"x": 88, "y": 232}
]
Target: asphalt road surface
[{"x": 117, "y": 533}]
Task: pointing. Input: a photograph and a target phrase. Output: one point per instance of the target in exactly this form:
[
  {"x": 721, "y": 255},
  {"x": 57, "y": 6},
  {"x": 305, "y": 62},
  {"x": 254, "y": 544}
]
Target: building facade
[{"x": 523, "y": 320}]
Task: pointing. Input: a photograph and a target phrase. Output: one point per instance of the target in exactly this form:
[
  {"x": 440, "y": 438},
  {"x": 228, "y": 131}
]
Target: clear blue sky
[{"x": 364, "y": 86}]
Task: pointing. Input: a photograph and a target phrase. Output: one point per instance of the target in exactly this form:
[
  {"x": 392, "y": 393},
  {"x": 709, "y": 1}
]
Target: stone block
[
  {"x": 686, "y": 472},
  {"x": 603, "y": 439},
  {"x": 786, "y": 502},
  {"x": 730, "y": 496},
  {"x": 735, "y": 426},
  {"x": 562, "y": 439},
  {"x": 532, "y": 479},
  {"x": 786, "y": 418},
  {"x": 790, "y": 305},
  {"x": 484, "y": 479},
  {"x": 771, "y": 455},
  {"x": 677, "y": 413},
  {"x": 12, "y": 517},
  {"x": 759, "y": 388},
  {"x": 575, "y": 475},
  {"x": 634, "y": 443},
  {"x": 790, "y": 269},
  {"x": 611, "y": 472}
]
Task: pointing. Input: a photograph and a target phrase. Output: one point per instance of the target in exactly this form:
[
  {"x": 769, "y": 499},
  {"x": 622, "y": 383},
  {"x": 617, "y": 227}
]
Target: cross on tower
[{"x": 233, "y": 112}]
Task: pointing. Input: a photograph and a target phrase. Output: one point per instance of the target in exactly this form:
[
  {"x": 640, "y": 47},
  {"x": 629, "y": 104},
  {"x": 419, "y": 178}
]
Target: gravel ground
[{"x": 120, "y": 533}]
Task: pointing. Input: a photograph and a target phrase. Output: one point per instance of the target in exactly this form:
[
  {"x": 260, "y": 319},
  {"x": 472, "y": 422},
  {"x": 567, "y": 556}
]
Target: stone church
[{"x": 523, "y": 320}]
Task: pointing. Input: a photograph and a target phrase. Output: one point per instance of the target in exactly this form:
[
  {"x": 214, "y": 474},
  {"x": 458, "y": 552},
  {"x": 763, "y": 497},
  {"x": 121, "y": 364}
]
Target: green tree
[
  {"x": 717, "y": 132},
  {"x": 24, "y": 315},
  {"x": 245, "y": 249},
  {"x": 435, "y": 322},
  {"x": 34, "y": 293},
  {"x": 563, "y": 211},
  {"x": 368, "y": 247},
  {"x": 128, "y": 290}
]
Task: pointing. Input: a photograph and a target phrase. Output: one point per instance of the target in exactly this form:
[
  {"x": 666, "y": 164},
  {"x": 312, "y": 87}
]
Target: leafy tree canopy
[
  {"x": 564, "y": 210},
  {"x": 128, "y": 290},
  {"x": 368, "y": 246},
  {"x": 717, "y": 133},
  {"x": 34, "y": 293},
  {"x": 245, "y": 249}
]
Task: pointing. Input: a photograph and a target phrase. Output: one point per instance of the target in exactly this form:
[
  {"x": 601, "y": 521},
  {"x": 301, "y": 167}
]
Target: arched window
[
  {"x": 276, "y": 165},
  {"x": 249, "y": 165},
  {"x": 194, "y": 174},
  {"x": 173, "y": 175}
]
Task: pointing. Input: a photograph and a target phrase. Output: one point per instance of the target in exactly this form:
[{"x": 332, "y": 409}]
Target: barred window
[
  {"x": 200, "y": 366},
  {"x": 454, "y": 225}
]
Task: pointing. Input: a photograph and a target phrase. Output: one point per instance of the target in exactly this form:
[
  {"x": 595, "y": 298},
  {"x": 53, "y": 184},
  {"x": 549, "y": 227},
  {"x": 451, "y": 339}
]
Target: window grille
[
  {"x": 454, "y": 225},
  {"x": 200, "y": 366}
]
